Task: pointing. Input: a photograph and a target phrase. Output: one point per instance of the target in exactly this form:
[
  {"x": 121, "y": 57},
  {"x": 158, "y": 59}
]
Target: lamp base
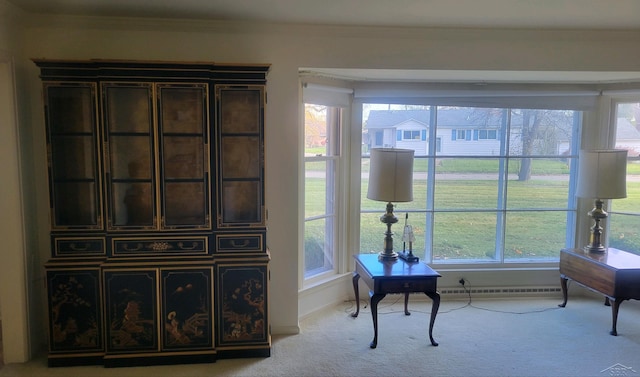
[
  {"x": 595, "y": 249},
  {"x": 383, "y": 255},
  {"x": 597, "y": 213},
  {"x": 408, "y": 256}
]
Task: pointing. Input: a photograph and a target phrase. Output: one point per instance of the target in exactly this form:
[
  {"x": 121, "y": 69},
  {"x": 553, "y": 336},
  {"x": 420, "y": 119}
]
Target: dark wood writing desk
[
  {"x": 615, "y": 274},
  {"x": 395, "y": 276}
]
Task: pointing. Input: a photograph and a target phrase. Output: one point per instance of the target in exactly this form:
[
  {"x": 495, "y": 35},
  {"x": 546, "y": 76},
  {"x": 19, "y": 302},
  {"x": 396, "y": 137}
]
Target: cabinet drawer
[
  {"x": 239, "y": 242},
  {"x": 159, "y": 246},
  {"x": 76, "y": 247},
  {"x": 406, "y": 285}
]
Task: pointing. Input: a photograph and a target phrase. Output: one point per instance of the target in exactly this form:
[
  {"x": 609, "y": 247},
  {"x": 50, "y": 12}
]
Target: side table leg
[
  {"x": 435, "y": 296},
  {"x": 355, "y": 279},
  {"x": 375, "y": 299},
  {"x": 614, "y": 315},
  {"x": 563, "y": 284},
  {"x": 406, "y": 304}
]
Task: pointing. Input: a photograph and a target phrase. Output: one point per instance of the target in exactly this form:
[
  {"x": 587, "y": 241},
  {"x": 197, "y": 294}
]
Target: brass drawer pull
[{"x": 245, "y": 243}]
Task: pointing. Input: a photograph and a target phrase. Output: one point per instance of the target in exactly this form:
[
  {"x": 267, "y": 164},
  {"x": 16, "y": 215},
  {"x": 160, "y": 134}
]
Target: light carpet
[{"x": 488, "y": 337}]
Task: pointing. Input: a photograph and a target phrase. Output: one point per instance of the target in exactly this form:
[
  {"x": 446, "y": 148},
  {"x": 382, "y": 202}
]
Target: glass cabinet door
[
  {"x": 128, "y": 123},
  {"x": 240, "y": 187},
  {"x": 72, "y": 140},
  {"x": 184, "y": 151}
]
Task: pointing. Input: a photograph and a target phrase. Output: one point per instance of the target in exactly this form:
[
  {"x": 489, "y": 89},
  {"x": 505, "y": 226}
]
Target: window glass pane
[
  {"x": 540, "y": 132},
  {"x": 547, "y": 186},
  {"x": 315, "y": 196},
  {"x": 533, "y": 235},
  {"x": 319, "y": 140},
  {"x": 466, "y": 183},
  {"x": 318, "y": 247},
  {"x": 468, "y": 236},
  {"x": 624, "y": 232},
  {"x": 464, "y": 131}
]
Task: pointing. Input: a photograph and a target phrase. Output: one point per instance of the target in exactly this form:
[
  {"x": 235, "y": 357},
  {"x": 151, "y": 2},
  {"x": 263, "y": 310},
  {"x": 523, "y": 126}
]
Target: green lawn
[{"x": 534, "y": 226}]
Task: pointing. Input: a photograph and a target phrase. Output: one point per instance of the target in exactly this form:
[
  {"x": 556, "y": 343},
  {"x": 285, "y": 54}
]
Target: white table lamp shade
[
  {"x": 602, "y": 174},
  {"x": 391, "y": 175}
]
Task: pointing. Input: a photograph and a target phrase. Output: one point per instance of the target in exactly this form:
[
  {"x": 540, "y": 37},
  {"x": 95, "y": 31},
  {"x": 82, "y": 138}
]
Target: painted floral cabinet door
[
  {"x": 186, "y": 308},
  {"x": 242, "y": 312},
  {"x": 131, "y": 310},
  {"x": 75, "y": 313},
  {"x": 178, "y": 318}
]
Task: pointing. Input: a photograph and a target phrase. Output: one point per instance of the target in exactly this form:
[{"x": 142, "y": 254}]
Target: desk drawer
[{"x": 406, "y": 285}]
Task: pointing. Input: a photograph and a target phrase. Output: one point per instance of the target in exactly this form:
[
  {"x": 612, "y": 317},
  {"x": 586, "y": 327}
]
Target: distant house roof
[
  {"x": 626, "y": 131},
  {"x": 460, "y": 117},
  {"x": 389, "y": 118}
]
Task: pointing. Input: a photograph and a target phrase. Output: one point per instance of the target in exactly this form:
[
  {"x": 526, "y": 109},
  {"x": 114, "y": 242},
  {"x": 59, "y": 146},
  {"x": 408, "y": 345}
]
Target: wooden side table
[
  {"x": 396, "y": 276},
  {"x": 614, "y": 274}
]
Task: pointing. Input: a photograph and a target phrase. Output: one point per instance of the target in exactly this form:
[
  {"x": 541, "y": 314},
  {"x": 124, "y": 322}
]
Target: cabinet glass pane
[
  {"x": 241, "y": 202},
  {"x": 185, "y": 203},
  {"x": 129, "y": 121},
  {"x": 184, "y": 169},
  {"x": 130, "y": 157},
  {"x": 73, "y": 157},
  {"x": 132, "y": 204},
  {"x": 240, "y": 110},
  {"x": 186, "y": 309},
  {"x": 128, "y": 108},
  {"x": 240, "y": 157},
  {"x": 183, "y": 157},
  {"x": 183, "y": 109},
  {"x": 70, "y": 109},
  {"x": 75, "y": 204}
]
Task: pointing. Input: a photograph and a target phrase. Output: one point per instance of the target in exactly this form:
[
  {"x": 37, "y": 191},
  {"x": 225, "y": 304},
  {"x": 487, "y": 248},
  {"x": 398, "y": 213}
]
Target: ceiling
[{"x": 562, "y": 14}]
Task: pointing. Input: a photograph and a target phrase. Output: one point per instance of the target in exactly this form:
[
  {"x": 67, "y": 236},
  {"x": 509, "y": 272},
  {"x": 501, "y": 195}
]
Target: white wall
[
  {"x": 13, "y": 266},
  {"x": 287, "y": 48}
]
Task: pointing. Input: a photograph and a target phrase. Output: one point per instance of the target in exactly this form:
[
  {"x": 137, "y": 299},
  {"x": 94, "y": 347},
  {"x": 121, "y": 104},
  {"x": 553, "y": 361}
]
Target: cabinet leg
[
  {"x": 563, "y": 284},
  {"x": 435, "y": 296},
  {"x": 375, "y": 299},
  {"x": 356, "y": 290}
]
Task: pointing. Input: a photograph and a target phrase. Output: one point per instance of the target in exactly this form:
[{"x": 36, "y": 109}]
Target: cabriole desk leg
[
  {"x": 563, "y": 284},
  {"x": 435, "y": 296},
  {"x": 355, "y": 279},
  {"x": 375, "y": 299},
  {"x": 614, "y": 314}
]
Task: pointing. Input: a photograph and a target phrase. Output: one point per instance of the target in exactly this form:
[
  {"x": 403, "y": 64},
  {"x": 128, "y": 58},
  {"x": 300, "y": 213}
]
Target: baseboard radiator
[{"x": 500, "y": 292}]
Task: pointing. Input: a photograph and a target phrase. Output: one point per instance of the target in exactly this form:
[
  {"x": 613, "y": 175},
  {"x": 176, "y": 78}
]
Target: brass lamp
[
  {"x": 602, "y": 175},
  {"x": 390, "y": 180}
]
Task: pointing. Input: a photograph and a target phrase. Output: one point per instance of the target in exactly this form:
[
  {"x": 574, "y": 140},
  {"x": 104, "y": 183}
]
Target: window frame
[
  {"x": 340, "y": 99},
  {"x": 616, "y": 100}
]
